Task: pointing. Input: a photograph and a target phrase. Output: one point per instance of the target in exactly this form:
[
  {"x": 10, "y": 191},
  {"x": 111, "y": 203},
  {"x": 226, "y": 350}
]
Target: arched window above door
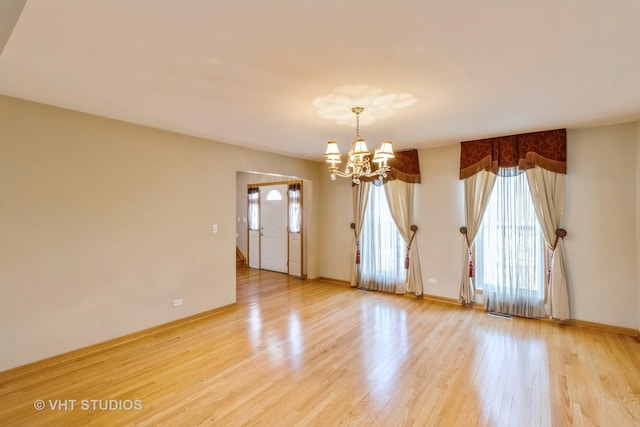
[{"x": 273, "y": 195}]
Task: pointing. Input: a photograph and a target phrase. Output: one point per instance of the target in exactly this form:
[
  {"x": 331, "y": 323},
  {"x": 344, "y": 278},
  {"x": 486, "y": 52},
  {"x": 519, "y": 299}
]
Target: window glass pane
[
  {"x": 382, "y": 248},
  {"x": 509, "y": 250},
  {"x": 273, "y": 195}
]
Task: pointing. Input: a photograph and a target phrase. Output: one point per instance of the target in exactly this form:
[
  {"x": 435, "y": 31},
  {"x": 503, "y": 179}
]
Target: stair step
[{"x": 240, "y": 259}]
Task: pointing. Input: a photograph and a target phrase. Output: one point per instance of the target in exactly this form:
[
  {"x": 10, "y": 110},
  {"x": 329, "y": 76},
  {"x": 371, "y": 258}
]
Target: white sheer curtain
[
  {"x": 294, "y": 208},
  {"x": 477, "y": 189},
  {"x": 360, "y": 195},
  {"x": 400, "y": 198},
  {"x": 548, "y": 194},
  {"x": 382, "y": 247},
  {"x": 253, "y": 208},
  {"x": 510, "y": 262}
]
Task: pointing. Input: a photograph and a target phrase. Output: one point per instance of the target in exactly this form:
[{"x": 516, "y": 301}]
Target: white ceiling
[{"x": 248, "y": 72}]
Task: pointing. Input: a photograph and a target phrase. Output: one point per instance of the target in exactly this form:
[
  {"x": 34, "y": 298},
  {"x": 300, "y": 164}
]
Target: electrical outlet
[
  {"x": 177, "y": 302},
  {"x": 433, "y": 282},
  {"x": 214, "y": 228}
]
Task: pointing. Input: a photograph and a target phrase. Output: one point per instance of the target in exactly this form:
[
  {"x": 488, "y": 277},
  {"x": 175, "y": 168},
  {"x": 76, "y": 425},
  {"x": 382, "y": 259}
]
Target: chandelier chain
[{"x": 357, "y": 111}]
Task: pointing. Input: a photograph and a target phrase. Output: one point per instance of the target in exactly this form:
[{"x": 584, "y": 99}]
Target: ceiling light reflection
[{"x": 337, "y": 104}]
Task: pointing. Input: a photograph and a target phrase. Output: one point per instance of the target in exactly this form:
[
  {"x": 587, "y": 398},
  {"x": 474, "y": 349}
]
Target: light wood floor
[{"x": 314, "y": 353}]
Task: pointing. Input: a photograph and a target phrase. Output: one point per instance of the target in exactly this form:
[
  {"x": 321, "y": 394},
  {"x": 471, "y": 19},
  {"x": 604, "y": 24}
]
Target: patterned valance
[
  {"x": 547, "y": 149},
  {"x": 405, "y": 166}
]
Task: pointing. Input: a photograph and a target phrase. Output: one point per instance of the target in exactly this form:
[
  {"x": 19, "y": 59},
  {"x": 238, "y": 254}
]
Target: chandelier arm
[
  {"x": 341, "y": 174},
  {"x": 377, "y": 172}
]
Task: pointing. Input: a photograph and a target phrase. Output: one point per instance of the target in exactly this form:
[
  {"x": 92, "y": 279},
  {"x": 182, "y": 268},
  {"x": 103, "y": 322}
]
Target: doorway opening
[{"x": 271, "y": 228}]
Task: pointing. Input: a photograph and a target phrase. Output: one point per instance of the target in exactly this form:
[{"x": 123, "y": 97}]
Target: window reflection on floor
[
  {"x": 284, "y": 345},
  {"x": 500, "y": 380},
  {"x": 295, "y": 341},
  {"x": 385, "y": 345},
  {"x": 255, "y": 326}
]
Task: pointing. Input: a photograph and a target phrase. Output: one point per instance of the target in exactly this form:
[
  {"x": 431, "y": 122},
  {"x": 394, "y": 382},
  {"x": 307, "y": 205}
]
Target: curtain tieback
[
  {"x": 463, "y": 230},
  {"x": 414, "y": 228},
  {"x": 353, "y": 227},
  {"x": 561, "y": 233},
  {"x": 472, "y": 270}
]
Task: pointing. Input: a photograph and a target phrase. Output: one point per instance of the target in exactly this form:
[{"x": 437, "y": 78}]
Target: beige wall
[
  {"x": 440, "y": 216},
  {"x": 600, "y": 218},
  {"x": 638, "y": 222},
  {"x": 333, "y": 219},
  {"x": 103, "y": 224}
]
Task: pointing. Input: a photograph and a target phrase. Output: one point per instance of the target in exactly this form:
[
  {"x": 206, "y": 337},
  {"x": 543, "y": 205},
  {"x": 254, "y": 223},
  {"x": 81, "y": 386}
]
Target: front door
[{"x": 273, "y": 228}]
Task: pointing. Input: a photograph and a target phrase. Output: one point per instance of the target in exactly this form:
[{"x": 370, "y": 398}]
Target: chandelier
[{"x": 358, "y": 162}]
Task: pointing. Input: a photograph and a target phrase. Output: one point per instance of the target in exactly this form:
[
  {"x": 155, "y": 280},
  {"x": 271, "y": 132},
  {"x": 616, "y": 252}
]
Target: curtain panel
[
  {"x": 295, "y": 214},
  {"x": 400, "y": 198},
  {"x": 253, "y": 214},
  {"x": 477, "y": 189},
  {"x": 405, "y": 166},
  {"x": 360, "y": 195},
  {"x": 546, "y": 149},
  {"x": 548, "y": 194}
]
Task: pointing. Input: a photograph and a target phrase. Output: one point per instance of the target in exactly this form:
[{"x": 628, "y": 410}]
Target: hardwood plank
[{"x": 295, "y": 352}]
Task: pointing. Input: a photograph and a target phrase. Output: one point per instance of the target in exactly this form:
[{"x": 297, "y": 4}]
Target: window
[
  {"x": 294, "y": 208},
  {"x": 253, "y": 209},
  {"x": 510, "y": 250},
  {"x": 382, "y": 248},
  {"x": 273, "y": 195}
]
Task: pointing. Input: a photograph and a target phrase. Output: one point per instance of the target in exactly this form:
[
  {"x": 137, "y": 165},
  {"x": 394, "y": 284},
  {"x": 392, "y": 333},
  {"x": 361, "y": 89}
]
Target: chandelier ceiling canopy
[{"x": 358, "y": 162}]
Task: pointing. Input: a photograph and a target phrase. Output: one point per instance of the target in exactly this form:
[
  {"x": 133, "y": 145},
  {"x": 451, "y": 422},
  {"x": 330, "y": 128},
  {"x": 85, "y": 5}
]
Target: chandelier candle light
[{"x": 358, "y": 163}]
